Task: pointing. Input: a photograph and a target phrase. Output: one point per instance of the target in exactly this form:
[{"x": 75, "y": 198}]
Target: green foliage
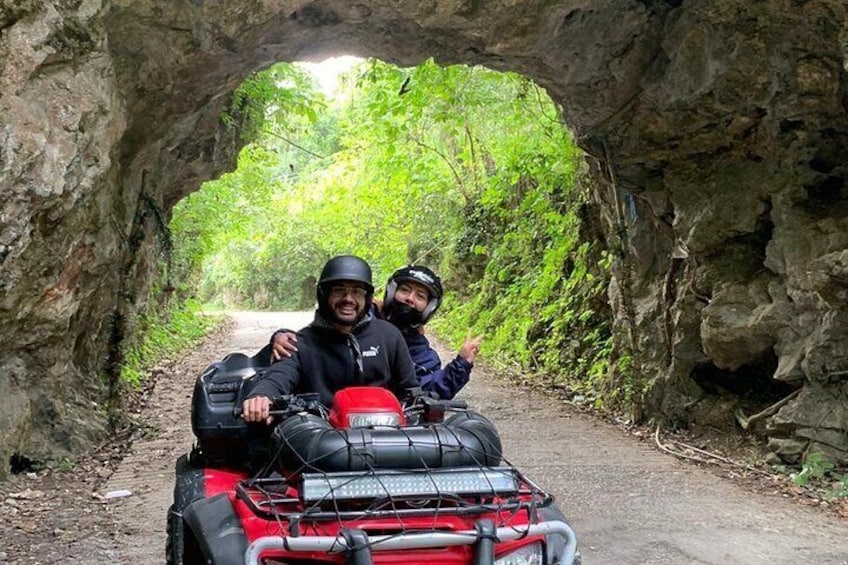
[
  {"x": 465, "y": 169},
  {"x": 269, "y": 100},
  {"x": 818, "y": 473},
  {"x": 163, "y": 336},
  {"x": 815, "y": 468},
  {"x": 66, "y": 464},
  {"x": 840, "y": 489},
  {"x": 539, "y": 301}
]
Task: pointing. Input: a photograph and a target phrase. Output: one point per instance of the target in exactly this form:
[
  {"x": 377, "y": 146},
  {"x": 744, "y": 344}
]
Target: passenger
[
  {"x": 344, "y": 345},
  {"x": 413, "y": 294}
]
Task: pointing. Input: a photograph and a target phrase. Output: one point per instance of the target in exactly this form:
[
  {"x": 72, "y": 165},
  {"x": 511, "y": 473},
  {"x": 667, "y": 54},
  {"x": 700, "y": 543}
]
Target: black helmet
[
  {"x": 399, "y": 313},
  {"x": 347, "y": 268},
  {"x": 344, "y": 268}
]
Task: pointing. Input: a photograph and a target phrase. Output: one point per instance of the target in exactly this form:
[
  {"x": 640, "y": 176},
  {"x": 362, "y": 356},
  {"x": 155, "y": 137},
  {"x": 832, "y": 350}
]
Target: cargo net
[{"x": 426, "y": 478}]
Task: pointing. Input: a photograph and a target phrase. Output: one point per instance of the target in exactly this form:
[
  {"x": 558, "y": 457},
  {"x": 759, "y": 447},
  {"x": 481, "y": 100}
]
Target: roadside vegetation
[{"x": 163, "y": 335}]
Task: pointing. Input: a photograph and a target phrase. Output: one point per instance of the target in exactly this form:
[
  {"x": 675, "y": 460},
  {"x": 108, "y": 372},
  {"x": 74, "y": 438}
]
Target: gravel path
[{"x": 628, "y": 503}]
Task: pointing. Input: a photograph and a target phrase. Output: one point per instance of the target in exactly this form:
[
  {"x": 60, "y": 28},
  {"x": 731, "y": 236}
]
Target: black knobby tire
[
  {"x": 173, "y": 544},
  {"x": 192, "y": 554},
  {"x": 175, "y": 541}
]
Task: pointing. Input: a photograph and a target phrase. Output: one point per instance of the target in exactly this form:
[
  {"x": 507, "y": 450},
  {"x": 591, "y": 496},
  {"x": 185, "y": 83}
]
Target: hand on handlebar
[
  {"x": 257, "y": 409},
  {"x": 266, "y": 410}
]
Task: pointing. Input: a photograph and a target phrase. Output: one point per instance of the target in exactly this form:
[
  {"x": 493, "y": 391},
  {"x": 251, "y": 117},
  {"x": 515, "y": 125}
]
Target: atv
[{"x": 369, "y": 480}]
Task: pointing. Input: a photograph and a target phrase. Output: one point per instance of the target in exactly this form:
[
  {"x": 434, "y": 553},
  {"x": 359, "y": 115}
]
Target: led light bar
[{"x": 419, "y": 483}]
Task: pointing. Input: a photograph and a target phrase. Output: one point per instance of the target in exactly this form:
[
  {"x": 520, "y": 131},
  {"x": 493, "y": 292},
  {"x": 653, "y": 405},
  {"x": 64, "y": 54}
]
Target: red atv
[{"x": 367, "y": 481}]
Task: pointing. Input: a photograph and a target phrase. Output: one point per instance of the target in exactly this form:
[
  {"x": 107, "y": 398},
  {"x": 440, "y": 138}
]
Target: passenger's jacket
[
  {"x": 326, "y": 361},
  {"x": 428, "y": 367}
]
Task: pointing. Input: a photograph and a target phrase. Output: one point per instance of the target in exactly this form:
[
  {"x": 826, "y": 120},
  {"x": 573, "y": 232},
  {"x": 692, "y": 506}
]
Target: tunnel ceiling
[{"x": 716, "y": 131}]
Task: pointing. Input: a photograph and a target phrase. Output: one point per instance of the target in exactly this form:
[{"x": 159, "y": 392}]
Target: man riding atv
[
  {"x": 344, "y": 346},
  {"x": 348, "y": 475},
  {"x": 413, "y": 295}
]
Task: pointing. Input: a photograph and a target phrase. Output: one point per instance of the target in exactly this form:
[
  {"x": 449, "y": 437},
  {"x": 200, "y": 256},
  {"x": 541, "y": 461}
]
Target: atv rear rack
[{"x": 358, "y": 545}]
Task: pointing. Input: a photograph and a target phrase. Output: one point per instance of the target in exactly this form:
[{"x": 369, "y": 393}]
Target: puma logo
[{"x": 372, "y": 351}]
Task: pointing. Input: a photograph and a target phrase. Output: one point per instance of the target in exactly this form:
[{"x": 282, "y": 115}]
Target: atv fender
[
  {"x": 217, "y": 530},
  {"x": 189, "y": 483}
]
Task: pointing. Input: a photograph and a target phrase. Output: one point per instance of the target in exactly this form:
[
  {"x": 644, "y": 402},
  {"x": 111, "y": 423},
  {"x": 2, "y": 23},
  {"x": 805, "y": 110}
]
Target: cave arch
[{"x": 715, "y": 118}]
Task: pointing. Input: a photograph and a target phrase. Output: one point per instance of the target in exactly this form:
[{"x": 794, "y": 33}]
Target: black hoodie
[{"x": 327, "y": 360}]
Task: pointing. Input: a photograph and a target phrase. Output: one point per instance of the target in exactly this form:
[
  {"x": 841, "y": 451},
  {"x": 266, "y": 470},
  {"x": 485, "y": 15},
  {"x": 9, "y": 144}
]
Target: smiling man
[
  {"x": 344, "y": 346},
  {"x": 413, "y": 295}
]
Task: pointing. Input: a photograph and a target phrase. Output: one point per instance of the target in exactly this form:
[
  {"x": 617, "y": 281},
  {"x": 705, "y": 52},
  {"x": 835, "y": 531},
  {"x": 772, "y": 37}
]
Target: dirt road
[{"x": 629, "y": 503}]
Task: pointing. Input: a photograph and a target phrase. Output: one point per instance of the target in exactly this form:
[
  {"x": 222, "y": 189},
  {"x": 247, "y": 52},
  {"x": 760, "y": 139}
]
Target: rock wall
[
  {"x": 61, "y": 231},
  {"x": 731, "y": 173},
  {"x": 717, "y": 130}
]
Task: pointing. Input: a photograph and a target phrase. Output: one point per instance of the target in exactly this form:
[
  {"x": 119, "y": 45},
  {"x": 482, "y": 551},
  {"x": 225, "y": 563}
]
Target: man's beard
[
  {"x": 329, "y": 314},
  {"x": 346, "y": 320}
]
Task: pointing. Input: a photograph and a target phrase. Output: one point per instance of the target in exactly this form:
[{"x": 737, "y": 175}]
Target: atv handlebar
[
  {"x": 417, "y": 395},
  {"x": 416, "y": 402},
  {"x": 287, "y": 404},
  {"x": 428, "y": 407}
]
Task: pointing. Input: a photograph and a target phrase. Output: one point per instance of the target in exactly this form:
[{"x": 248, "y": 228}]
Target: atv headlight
[
  {"x": 530, "y": 554},
  {"x": 371, "y": 419}
]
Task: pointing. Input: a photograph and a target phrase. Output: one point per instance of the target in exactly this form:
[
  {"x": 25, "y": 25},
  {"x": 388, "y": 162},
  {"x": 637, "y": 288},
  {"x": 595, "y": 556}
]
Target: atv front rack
[
  {"x": 358, "y": 545},
  {"x": 268, "y": 498}
]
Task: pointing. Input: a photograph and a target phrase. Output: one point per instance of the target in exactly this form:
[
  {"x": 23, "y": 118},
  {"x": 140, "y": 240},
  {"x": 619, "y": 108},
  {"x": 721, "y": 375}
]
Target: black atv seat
[{"x": 239, "y": 364}]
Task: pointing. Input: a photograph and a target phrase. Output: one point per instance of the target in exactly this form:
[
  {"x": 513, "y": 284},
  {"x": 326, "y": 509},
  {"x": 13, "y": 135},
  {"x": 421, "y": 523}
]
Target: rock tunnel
[{"x": 716, "y": 132}]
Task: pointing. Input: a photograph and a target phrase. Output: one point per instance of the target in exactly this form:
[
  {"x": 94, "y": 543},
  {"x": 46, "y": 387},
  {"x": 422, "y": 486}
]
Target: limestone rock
[
  {"x": 723, "y": 122},
  {"x": 817, "y": 419}
]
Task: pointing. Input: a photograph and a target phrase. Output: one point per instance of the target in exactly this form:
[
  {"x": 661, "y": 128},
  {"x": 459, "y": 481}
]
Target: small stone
[
  {"x": 123, "y": 493},
  {"x": 773, "y": 459},
  {"x": 27, "y": 494}
]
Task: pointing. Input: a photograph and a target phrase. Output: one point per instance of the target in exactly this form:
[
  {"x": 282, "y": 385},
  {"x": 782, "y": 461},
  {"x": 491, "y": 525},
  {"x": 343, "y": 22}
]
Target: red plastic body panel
[
  {"x": 361, "y": 399},
  {"x": 348, "y": 401},
  {"x": 222, "y": 480}
]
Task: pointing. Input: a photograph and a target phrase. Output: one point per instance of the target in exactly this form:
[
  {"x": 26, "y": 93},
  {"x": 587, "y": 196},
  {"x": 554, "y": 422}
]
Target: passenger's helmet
[
  {"x": 403, "y": 315},
  {"x": 343, "y": 268}
]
